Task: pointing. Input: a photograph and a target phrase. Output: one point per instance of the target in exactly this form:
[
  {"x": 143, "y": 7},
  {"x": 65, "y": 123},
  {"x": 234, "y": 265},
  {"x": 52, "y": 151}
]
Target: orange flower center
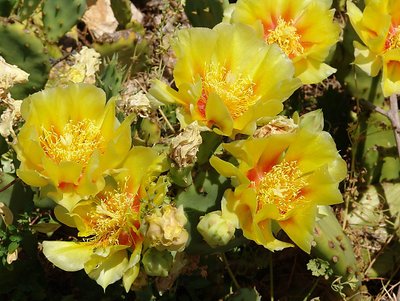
[
  {"x": 115, "y": 219},
  {"x": 393, "y": 38},
  {"x": 235, "y": 90},
  {"x": 75, "y": 143},
  {"x": 281, "y": 186},
  {"x": 287, "y": 38}
]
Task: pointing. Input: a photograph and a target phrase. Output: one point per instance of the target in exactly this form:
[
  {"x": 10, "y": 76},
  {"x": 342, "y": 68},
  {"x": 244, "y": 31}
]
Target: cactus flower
[
  {"x": 303, "y": 29},
  {"x": 227, "y": 88},
  {"x": 280, "y": 179},
  {"x": 166, "y": 229},
  {"x": 70, "y": 140},
  {"x": 108, "y": 225},
  {"x": 378, "y": 27}
]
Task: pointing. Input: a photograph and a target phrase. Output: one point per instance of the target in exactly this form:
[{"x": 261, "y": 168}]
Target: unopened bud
[
  {"x": 157, "y": 263},
  {"x": 216, "y": 229}
]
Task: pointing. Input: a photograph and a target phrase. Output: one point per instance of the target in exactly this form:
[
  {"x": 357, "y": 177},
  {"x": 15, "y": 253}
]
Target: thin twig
[
  {"x": 9, "y": 184},
  {"x": 392, "y": 114},
  {"x": 228, "y": 268},
  {"x": 271, "y": 277},
  {"x": 166, "y": 120}
]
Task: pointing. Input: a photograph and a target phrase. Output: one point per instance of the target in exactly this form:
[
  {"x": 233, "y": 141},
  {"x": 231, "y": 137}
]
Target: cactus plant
[
  {"x": 122, "y": 11},
  {"x": 333, "y": 246},
  {"x": 22, "y": 48},
  {"x": 205, "y": 13},
  {"x": 27, "y": 7},
  {"x": 6, "y": 7},
  {"x": 60, "y": 16},
  {"x": 127, "y": 45},
  {"x": 111, "y": 77}
]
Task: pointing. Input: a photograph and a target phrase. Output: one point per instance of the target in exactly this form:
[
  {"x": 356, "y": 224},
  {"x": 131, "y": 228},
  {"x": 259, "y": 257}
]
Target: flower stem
[
  {"x": 271, "y": 277},
  {"x": 228, "y": 268},
  {"x": 9, "y": 184}
]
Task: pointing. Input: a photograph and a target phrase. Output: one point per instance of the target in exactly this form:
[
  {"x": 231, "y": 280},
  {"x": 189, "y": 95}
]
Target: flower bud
[
  {"x": 157, "y": 263},
  {"x": 216, "y": 229},
  {"x": 166, "y": 229}
]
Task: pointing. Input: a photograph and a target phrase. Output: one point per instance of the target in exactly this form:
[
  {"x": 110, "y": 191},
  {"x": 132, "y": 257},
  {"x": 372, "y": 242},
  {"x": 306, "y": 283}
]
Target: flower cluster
[
  {"x": 76, "y": 151},
  {"x": 231, "y": 81},
  {"x": 235, "y": 84}
]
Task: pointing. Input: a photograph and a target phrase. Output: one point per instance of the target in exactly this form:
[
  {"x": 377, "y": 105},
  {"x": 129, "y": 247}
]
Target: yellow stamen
[
  {"x": 287, "y": 38},
  {"x": 393, "y": 39},
  {"x": 116, "y": 214},
  {"x": 235, "y": 89},
  {"x": 76, "y": 142},
  {"x": 281, "y": 186}
]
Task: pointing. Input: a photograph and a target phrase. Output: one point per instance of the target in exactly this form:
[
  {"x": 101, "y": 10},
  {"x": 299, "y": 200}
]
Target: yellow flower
[
  {"x": 378, "y": 27},
  {"x": 280, "y": 179},
  {"x": 109, "y": 223},
  {"x": 227, "y": 78},
  {"x": 71, "y": 139},
  {"x": 304, "y": 29}
]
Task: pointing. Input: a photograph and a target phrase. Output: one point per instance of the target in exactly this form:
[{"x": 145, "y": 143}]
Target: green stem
[
  {"x": 228, "y": 268},
  {"x": 311, "y": 290},
  {"x": 271, "y": 276}
]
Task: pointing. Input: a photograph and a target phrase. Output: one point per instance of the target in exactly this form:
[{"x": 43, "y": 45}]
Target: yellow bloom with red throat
[
  {"x": 70, "y": 140},
  {"x": 303, "y": 29},
  {"x": 110, "y": 241},
  {"x": 227, "y": 78},
  {"x": 280, "y": 179},
  {"x": 378, "y": 27}
]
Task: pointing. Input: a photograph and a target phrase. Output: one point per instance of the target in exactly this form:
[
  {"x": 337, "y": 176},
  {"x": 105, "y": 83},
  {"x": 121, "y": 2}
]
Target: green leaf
[
  {"x": 13, "y": 246},
  {"x": 245, "y": 294},
  {"x": 204, "y": 196}
]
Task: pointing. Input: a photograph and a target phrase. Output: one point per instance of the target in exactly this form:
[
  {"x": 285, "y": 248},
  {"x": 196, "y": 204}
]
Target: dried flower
[
  {"x": 185, "y": 146},
  {"x": 166, "y": 229}
]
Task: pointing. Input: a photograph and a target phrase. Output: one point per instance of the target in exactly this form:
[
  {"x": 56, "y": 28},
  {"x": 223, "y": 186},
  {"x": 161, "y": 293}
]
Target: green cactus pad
[
  {"x": 122, "y": 11},
  {"x": 111, "y": 77},
  {"x": 23, "y": 49},
  {"x": 204, "y": 13},
  {"x": 27, "y": 7},
  {"x": 60, "y": 16},
  {"x": 6, "y": 7},
  {"x": 332, "y": 245}
]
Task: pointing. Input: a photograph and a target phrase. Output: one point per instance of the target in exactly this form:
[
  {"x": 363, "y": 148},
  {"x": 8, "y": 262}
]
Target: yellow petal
[
  {"x": 107, "y": 270},
  {"x": 368, "y": 61},
  {"x": 311, "y": 71},
  {"x": 133, "y": 268},
  {"x": 67, "y": 255},
  {"x": 32, "y": 177},
  {"x": 300, "y": 227},
  {"x": 190, "y": 60},
  {"x": 164, "y": 93},
  {"x": 217, "y": 113},
  {"x": 391, "y": 72}
]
